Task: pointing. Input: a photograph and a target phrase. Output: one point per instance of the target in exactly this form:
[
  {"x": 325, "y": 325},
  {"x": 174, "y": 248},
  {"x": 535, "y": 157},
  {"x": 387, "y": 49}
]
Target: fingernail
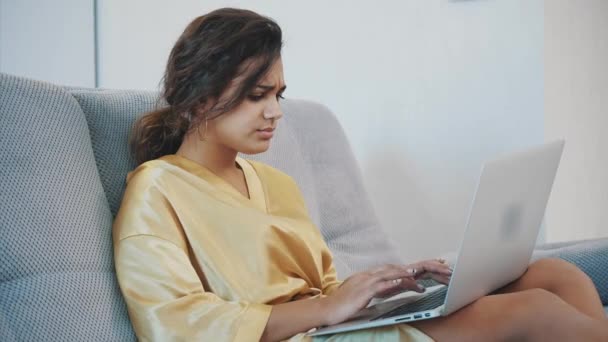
[
  {"x": 421, "y": 288},
  {"x": 410, "y": 271}
]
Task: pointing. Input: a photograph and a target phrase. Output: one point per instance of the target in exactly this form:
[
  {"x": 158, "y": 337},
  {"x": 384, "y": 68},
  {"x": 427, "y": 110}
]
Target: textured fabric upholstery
[
  {"x": 56, "y": 272},
  {"x": 64, "y": 161}
]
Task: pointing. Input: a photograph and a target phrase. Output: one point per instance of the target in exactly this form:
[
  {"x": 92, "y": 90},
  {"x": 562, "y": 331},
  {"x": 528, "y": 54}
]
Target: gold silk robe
[{"x": 198, "y": 261}]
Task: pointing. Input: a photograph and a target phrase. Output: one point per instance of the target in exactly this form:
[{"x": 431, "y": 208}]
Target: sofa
[{"x": 64, "y": 161}]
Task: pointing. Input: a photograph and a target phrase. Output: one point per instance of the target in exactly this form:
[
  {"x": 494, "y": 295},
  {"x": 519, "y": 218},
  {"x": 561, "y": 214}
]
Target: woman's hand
[
  {"x": 359, "y": 289},
  {"x": 436, "y": 269}
]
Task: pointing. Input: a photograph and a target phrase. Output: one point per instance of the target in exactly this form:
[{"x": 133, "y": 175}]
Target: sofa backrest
[
  {"x": 56, "y": 272},
  {"x": 64, "y": 161}
]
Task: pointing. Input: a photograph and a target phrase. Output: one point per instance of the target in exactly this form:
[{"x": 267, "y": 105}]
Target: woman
[{"x": 213, "y": 247}]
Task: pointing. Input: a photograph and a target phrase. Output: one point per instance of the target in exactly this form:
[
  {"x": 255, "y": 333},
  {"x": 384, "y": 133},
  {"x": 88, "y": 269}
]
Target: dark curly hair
[{"x": 213, "y": 50}]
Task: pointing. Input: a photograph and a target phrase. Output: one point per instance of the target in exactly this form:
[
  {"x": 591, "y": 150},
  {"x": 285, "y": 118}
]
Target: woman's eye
[{"x": 256, "y": 97}]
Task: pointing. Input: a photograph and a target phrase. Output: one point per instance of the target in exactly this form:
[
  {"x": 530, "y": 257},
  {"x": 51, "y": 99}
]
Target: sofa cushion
[
  {"x": 110, "y": 115},
  {"x": 55, "y": 251},
  {"x": 76, "y": 305}
]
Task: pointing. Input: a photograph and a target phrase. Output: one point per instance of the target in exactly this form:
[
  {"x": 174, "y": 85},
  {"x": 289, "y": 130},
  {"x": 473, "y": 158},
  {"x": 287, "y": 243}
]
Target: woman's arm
[
  {"x": 167, "y": 302},
  {"x": 352, "y": 295},
  {"x": 348, "y": 298},
  {"x": 291, "y": 318}
]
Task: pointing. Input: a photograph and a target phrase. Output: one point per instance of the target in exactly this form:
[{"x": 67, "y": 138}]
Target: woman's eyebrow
[{"x": 268, "y": 87}]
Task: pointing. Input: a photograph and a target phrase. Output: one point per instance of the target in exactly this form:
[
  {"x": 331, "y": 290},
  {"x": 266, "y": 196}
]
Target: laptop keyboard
[{"x": 428, "y": 302}]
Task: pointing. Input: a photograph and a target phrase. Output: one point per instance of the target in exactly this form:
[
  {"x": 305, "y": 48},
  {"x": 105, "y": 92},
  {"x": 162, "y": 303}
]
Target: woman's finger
[
  {"x": 427, "y": 275},
  {"x": 392, "y": 274},
  {"x": 409, "y": 284},
  {"x": 399, "y": 285},
  {"x": 402, "y": 285},
  {"x": 437, "y": 277},
  {"x": 383, "y": 268},
  {"x": 382, "y": 288},
  {"x": 433, "y": 266}
]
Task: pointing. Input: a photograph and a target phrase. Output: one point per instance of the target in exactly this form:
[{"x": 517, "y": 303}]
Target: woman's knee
[
  {"x": 544, "y": 315},
  {"x": 534, "y": 301},
  {"x": 553, "y": 265},
  {"x": 533, "y": 311},
  {"x": 514, "y": 316},
  {"x": 552, "y": 272},
  {"x": 517, "y": 316},
  {"x": 520, "y": 315}
]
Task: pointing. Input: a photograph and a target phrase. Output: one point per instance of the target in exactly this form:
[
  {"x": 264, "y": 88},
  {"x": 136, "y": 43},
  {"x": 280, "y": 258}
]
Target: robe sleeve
[
  {"x": 329, "y": 277},
  {"x": 165, "y": 296},
  {"x": 330, "y": 281},
  {"x": 166, "y": 299}
]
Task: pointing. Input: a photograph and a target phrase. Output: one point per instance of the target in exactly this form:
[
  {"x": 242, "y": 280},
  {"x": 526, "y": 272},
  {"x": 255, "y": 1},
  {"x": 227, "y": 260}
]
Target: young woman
[{"x": 213, "y": 247}]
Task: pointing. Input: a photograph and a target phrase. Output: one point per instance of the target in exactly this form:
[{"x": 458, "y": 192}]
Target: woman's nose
[{"x": 273, "y": 111}]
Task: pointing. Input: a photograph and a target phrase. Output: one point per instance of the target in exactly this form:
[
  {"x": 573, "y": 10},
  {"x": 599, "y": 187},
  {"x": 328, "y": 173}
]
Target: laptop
[{"x": 503, "y": 225}]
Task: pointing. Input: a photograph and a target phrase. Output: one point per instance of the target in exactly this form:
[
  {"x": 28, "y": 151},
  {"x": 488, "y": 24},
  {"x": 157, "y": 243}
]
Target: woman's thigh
[
  {"x": 563, "y": 279},
  {"x": 531, "y": 314}
]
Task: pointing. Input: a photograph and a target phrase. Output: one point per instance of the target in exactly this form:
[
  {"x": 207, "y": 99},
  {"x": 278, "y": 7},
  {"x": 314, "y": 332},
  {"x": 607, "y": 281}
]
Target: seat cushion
[{"x": 76, "y": 305}]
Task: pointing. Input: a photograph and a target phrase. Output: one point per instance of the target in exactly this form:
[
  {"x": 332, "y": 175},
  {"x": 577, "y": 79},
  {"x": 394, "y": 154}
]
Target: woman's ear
[{"x": 203, "y": 110}]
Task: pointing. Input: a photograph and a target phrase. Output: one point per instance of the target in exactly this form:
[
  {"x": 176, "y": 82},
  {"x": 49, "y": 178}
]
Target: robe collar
[{"x": 254, "y": 184}]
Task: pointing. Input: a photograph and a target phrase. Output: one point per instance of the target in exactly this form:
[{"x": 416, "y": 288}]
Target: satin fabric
[{"x": 196, "y": 260}]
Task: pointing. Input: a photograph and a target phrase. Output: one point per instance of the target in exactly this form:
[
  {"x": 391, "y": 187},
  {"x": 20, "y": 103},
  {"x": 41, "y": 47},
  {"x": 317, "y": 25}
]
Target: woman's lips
[{"x": 266, "y": 134}]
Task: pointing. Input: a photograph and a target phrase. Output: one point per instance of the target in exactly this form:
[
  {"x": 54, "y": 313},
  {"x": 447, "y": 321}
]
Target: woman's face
[{"x": 242, "y": 129}]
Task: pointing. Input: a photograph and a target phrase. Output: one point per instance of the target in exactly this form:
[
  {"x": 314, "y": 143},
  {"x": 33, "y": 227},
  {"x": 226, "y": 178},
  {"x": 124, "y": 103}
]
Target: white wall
[
  {"x": 426, "y": 90},
  {"x": 48, "y": 40},
  {"x": 576, "y": 107}
]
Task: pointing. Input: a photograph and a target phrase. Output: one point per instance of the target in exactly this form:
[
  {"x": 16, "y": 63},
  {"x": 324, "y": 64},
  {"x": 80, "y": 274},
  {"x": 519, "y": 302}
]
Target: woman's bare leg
[
  {"x": 563, "y": 279},
  {"x": 535, "y": 315}
]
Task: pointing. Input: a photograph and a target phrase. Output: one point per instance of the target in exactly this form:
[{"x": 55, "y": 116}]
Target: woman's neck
[{"x": 217, "y": 158}]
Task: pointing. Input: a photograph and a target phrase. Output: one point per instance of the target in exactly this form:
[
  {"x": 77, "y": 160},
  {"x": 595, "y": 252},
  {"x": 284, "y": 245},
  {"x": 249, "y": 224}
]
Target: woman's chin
[{"x": 258, "y": 148}]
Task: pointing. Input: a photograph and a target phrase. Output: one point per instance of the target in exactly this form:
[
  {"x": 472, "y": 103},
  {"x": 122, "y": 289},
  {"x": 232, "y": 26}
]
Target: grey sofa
[{"x": 64, "y": 161}]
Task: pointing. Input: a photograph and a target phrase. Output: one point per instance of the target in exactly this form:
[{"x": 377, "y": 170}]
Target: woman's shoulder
[
  {"x": 147, "y": 171},
  {"x": 146, "y": 195},
  {"x": 146, "y": 184},
  {"x": 156, "y": 174}
]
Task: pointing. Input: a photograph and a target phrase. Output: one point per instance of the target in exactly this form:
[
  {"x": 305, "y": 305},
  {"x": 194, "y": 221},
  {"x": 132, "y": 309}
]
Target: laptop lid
[{"x": 504, "y": 222}]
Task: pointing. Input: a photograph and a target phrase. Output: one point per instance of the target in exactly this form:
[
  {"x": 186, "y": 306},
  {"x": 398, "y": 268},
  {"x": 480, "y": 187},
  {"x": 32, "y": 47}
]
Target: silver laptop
[{"x": 503, "y": 225}]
